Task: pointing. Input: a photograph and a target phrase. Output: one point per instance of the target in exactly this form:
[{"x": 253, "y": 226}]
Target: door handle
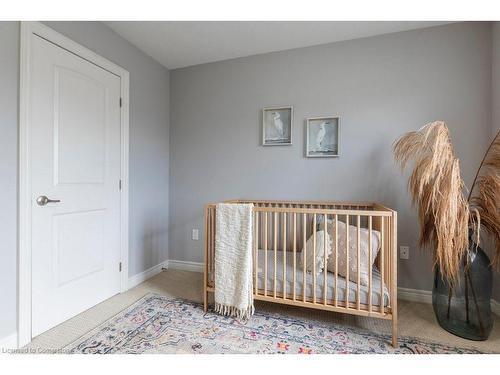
[{"x": 42, "y": 200}]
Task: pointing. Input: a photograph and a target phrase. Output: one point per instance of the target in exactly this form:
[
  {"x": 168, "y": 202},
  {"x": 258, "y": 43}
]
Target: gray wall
[
  {"x": 381, "y": 87},
  {"x": 149, "y": 150},
  {"x": 9, "y": 73}
]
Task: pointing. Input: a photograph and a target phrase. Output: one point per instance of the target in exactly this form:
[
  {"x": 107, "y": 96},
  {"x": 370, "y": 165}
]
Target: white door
[{"x": 74, "y": 151}]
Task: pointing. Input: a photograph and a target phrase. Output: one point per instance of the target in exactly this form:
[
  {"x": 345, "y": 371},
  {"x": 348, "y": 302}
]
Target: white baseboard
[
  {"x": 415, "y": 295},
  {"x": 185, "y": 266},
  {"x": 143, "y": 276},
  {"x": 425, "y": 296},
  {"x": 8, "y": 342},
  {"x": 155, "y": 270}
]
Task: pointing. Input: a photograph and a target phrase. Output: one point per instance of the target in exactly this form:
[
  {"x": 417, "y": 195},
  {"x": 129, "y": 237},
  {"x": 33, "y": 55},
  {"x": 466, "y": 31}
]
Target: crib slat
[
  {"x": 212, "y": 241},
  {"x": 389, "y": 256},
  {"x": 304, "y": 257},
  {"x": 370, "y": 263},
  {"x": 382, "y": 251},
  {"x": 294, "y": 253},
  {"x": 207, "y": 261},
  {"x": 347, "y": 262},
  {"x": 284, "y": 255},
  {"x": 256, "y": 244},
  {"x": 209, "y": 248},
  {"x": 336, "y": 259},
  {"x": 265, "y": 255},
  {"x": 314, "y": 258},
  {"x": 393, "y": 296},
  {"x": 325, "y": 270},
  {"x": 275, "y": 251},
  {"x": 207, "y": 251},
  {"x": 358, "y": 265}
]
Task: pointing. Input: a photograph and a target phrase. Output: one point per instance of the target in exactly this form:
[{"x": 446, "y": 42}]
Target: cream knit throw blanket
[{"x": 233, "y": 260}]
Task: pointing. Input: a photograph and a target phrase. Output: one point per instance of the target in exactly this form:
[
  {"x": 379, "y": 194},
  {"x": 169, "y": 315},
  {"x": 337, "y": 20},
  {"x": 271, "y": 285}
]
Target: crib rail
[{"x": 281, "y": 231}]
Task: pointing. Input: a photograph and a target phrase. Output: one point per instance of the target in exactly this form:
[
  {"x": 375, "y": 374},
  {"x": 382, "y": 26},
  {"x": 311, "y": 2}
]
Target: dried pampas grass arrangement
[
  {"x": 437, "y": 190},
  {"x": 484, "y": 196}
]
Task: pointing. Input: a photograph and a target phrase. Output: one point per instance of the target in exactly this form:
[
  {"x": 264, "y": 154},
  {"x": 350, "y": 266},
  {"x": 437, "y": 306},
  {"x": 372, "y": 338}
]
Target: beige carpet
[{"x": 415, "y": 319}]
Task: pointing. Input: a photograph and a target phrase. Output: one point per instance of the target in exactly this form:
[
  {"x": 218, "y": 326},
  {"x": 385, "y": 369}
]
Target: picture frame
[
  {"x": 277, "y": 126},
  {"x": 322, "y": 137}
]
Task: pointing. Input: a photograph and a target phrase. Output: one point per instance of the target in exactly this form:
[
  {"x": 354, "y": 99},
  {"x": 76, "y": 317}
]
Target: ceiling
[{"x": 177, "y": 44}]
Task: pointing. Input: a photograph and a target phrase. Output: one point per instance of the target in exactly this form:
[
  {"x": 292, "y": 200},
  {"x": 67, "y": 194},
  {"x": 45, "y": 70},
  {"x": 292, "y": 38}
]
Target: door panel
[
  {"x": 75, "y": 247},
  {"x": 74, "y": 150},
  {"x": 79, "y": 130}
]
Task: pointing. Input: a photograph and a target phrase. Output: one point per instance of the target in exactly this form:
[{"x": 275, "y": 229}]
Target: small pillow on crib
[
  {"x": 320, "y": 254},
  {"x": 353, "y": 252}
]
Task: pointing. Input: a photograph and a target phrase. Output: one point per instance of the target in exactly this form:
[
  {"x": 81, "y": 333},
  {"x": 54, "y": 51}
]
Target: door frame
[{"x": 24, "y": 190}]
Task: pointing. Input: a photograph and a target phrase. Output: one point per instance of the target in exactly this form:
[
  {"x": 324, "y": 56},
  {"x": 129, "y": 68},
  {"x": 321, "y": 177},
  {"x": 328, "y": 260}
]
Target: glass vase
[{"x": 464, "y": 310}]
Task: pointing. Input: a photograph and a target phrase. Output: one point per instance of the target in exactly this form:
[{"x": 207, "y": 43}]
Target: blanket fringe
[{"x": 243, "y": 314}]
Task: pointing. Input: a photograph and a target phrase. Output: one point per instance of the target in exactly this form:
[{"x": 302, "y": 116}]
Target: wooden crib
[{"x": 282, "y": 228}]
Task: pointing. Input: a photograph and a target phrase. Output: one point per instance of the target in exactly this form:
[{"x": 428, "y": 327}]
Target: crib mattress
[{"x": 351, "y": 286}]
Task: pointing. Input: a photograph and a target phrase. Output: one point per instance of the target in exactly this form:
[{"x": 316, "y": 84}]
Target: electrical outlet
[
  {"x": 404, "y": 252},
  {"x": 195, "y": 235}
]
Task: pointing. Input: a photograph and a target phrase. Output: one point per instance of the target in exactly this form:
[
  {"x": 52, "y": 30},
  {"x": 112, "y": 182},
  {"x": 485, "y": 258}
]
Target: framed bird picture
[
  {"x": 322, "y": 137},
  {"x": 277, "y": 126}
]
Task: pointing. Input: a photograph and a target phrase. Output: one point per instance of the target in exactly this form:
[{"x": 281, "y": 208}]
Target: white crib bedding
[{"x": 319, "y": 280}]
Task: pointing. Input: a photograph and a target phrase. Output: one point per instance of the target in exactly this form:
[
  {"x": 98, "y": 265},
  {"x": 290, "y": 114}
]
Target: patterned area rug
[{"x": 157, "y": 324}]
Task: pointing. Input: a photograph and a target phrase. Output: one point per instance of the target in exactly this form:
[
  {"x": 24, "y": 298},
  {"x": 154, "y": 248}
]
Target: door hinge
[
  {"x": 120, "y": 184},
  {"x": 120, "y": 266},
  {"x": 120, "y": 102}
]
